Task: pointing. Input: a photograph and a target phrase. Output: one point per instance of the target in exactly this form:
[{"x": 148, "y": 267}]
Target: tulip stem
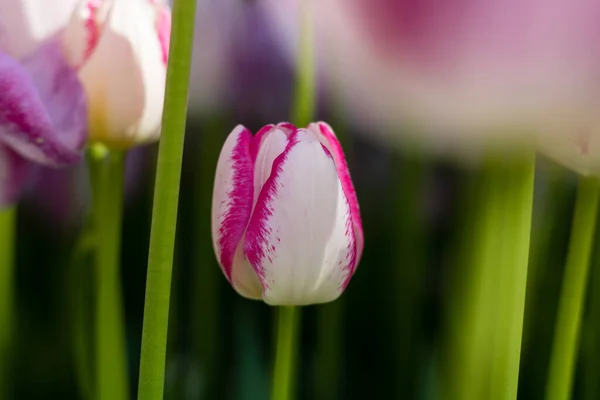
[
  {"x": 303, "y": 109},
  {"x": 284, "y": 373},
  {"x": 486, "y": 313},
  {"x": 566, "y": 334},
  {"x": 512, "y": 251},
  {"x": 166, "y": 198},
  {"x": 7, "y": 245},
  {"x": 106, "y": 173}
]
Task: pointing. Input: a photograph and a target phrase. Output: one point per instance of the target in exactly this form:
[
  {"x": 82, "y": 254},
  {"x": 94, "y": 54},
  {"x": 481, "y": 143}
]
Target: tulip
[
  {"x": 285, "y": 220},
  {"x": 43, "y": 117},
  {"x": 120, "y": 50},
  {"x": 477, "y": 68}
]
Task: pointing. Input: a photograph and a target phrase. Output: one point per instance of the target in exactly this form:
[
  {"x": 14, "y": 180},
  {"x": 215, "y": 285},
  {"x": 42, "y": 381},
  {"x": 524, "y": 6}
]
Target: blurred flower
[
  {"x": 120, "y": 49},
  {"x": 577, "y": 149},
  {"x": 237, "y": 63},
  {"x": 285, "y": 219},
  {"x": 43, "y": 115},
  {"x": 483, "y": 68}
]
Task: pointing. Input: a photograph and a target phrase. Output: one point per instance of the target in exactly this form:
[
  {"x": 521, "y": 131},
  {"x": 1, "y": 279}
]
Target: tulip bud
[
  {"x": 120, "y": 48},
  {"x": 285, "y": 219}
]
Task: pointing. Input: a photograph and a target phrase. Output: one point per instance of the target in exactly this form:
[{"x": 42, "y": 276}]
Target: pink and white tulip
[
  {"x": 466, "y": 70},
  {"x": 120, "y": 50},
  {"x": 286, "y": 224}
]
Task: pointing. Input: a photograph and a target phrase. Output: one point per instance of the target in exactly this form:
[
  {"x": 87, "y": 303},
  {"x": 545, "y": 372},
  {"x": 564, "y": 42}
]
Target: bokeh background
[{"x": 382, "y": 339}]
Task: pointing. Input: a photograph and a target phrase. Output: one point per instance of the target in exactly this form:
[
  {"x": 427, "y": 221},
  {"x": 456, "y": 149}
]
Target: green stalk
[
  {"x": 7, "y": 246},
  {"x": 107, "y": 174},
  {"x": 284, "y": 375},
  {"x": 329, "y": 347},
  {"x": 514, "y": 257},
  {"x": 166, "y": 197},
  {"x": 566, "y": 335},
  {"x": 303, "y": 110},
  {"x": 486, "y": 316}
]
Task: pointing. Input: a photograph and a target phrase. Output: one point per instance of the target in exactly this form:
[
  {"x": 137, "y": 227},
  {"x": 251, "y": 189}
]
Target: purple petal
[
  {"x": 43, "y": 112},
  {"x": 14, "y": 174}
]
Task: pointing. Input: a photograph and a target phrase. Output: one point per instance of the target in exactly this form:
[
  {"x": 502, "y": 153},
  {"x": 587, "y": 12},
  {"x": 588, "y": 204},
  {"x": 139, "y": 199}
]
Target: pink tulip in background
[
  {"x": 43, "y": 117},
  {"x": 463, "y": 70},
  {"x": 285, "y": 219}
]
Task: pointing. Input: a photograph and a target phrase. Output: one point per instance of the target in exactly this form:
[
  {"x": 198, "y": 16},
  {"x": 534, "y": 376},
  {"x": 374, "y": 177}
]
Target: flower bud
[
  {"x": 120, "y": 48},
  {"x": 285, "y": 219}
]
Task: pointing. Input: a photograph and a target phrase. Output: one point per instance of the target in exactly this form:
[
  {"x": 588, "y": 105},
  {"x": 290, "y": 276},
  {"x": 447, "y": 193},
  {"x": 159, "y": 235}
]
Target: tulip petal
[
  {"x": 24, "y": 24},
  {"x": 14, "y": 174},
  {"x": 42, "y": 107},
  {"x": 300, "y": 239},
  {"x": 272, "y": 145},
  {"x": 324, "y": 131},
  {"x": 231, "y": 210},
  {"x": 120, "y": 52}
]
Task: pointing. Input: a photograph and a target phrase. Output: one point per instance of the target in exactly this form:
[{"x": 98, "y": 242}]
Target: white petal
[
  {"x": 231, "y": 209},
  {"x": 272, "y": 145},
  {"x": 124, "y": 73},
  {"x": 25, "y": 24},
  {"x": 300, "y": 239}
]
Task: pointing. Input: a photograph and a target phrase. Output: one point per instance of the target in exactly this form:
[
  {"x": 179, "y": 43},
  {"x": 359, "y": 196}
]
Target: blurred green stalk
[
  {"x": 107, "y": 171},
  {"x": 303, "y": 108},
  {"x": 488, "y": 297},
  {"x": 514, "y": 256},
  {"x": 566, "y": 335},
  {"x": 206, "y": 274},
  {"x": 329, "y": 347},
  {"x": 7, "y": 248},
  {"x": 166, "y": 197},
  {"x": 284, "y": 373}
]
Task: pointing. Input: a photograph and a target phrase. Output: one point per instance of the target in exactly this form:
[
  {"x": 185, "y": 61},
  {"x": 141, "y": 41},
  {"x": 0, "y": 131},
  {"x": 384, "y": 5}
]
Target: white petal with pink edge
[
  {"x": 327, "y": 136},
  {"x": 122, "y": 64},
  {"x": 231, "y": 210},
  {"x": 300, "y": 239}
]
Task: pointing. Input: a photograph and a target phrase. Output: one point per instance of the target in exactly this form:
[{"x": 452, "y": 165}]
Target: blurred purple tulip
[
  {"x": 478, "y": 68},
  {"x": 237, "y": 63},
  {"x": 43, "y": 116}
]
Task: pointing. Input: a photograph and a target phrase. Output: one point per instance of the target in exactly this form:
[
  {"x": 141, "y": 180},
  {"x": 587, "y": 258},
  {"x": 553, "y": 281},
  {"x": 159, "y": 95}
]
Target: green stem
[
  {"x": 303, "y": 109},
  {"x": 329, "y": 343},
  {"x": 166, "y": 197},
  {"x": 284, "y": 374},
  {"x": 107, "y": 173},
  {"x": 488, "y": 301},
  {"x": 7, "y": 246},
  {"x": 566, "y": 334},
  {"x": 514, "y": 258},
  {"x": 79, "y": 308}
]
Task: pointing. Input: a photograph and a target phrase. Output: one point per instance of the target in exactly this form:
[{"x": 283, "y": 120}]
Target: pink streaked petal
[
  {"x": 287, "y": 127},
  {"x": 15, "y": 172},
  {"x": 324, "y": 130},
  {"x": 272, "y": 145},
  {"x": 231, "y": 209},
  {"x": 43, "y": 113},
  {"x": 299, "y": 239},
  {"x": 255, "y": 145},
  {"x": 163, "y": 29}
]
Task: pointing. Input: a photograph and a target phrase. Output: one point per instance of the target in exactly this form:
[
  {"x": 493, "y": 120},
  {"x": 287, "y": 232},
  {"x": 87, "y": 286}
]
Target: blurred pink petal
[
  {"x": 42, "y": 107},
  {"x": 478, "y": 69},
  {"x": 25, "y": 24}
]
